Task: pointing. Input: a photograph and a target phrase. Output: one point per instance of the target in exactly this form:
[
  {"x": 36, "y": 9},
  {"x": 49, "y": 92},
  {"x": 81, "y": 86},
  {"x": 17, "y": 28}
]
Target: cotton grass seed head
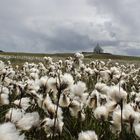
[
  {"x": 64, "y": 100},
  {"x": 67, "y": 79},
  {"x": 87, "y": 135},
  {"x": 137, "y": 129},
  {"x": 78, "y": 89},
  {"x": 14, "y": 115},
  {"x": 101, "y": 113},
  {"x": 117, "y": 94},
  {"x": 28, "y": 121},
  {"x": 8, "y": 132}
]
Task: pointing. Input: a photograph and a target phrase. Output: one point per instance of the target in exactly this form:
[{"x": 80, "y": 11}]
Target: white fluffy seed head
[
  {"x": 4, "y": 95},
  {"x": 111, "y": 105},
  {"x": 78, "y": 89},
  {"x": 64, "y": 100},
  {"x": 28, "y": 121},
  {"x": 75, "y": 107},
  {"x": 137, "y": 129},
  {"x": 67, "y": 79},
  {"x": 101, "y": 87},
  {"x": 2, "y": 65},
  {"x": 128, "y": 112},
  {"x": 101, "y": 113},
  {"x": 48, "y": 124},
  {"x": 4, "y": 99},
  {"x": 117, "y": 94},
  {"x": 116, "y": 117},
  {"x": 79, "y": 55},
  {"x": 51, "y": 84},
  {"x": 87, "y": 135},
  {"x": 8, "y": 132},
  {"x": 43, "y": 80},
  {"x": 14, "y": 115},
  {"x": 24, "y": 102},
  {"x": 48, "y": 60}
]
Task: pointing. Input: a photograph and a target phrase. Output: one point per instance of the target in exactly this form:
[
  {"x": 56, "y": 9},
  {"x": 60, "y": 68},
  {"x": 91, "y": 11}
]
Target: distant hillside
[
  {"x": 87, "y": 55},
  {"x": 111, "y": 56}
]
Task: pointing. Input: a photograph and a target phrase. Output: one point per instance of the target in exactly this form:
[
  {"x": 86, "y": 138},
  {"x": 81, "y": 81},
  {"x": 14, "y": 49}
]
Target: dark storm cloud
[
  {"x": 61, "y": 26},
  {"x": 124, "y": 11},
  {"x": 123, "y": 15},
  {"x": 68, "y": 40},
  {"x": 133, "y": 51}
]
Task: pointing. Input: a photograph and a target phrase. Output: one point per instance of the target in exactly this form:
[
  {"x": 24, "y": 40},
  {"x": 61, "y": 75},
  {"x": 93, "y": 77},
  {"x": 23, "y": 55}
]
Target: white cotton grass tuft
[
  {"x": 43, "y": 81},
  {"x": 92, "y": 101},
  {"x": 2, "y": 65},
  {"x": 101, "y": 113},
  {"x": 78, "y": 89},
  {"x": 111, "y": 105},
  {"x": 74, "y": 108},
  {"x": 34, "y": 75},
  {"x": 137, "y": 129},
  {"x": 48, "y": 60},
  {"x": 87, "y": 135},
  {"x": 84, "y": 98},
  {"x": 7, "y": 81},
  {"x": 28, "y": 121},
  {"x": 79, "y": 55},
  {"x": 64, "y": 100},
  {"x": 33, "y": 85},
  {"x": 14, "y": 115},
  {"x": 4, "y": 90},
  {"x": 67, "y": 79},
  {"x": 4, "y": 99},
  {"x": 116, "y": 121},
  {"x": 51, "y": 84},
  {"x": 104, "y": 75},
  {"x": 48, "y": 124},
  {"x": 23, "y": 102},
  {"x": 101, "y": 87},
  {"x": 116, "y": 117},
  {"x": 8, "y": 132},
  {"x": 128, "y": 113},
  {"x": 78, "y": 76},
  {"x": 40, "y": 100},
  {"x": 47, "y": 102},
  {"x": 4, "y": 95},
  {"x": 117, "y": 94},
  {"x": 51, "y": 108},
  {"x": 114, "y": 70},
  {"x": 82, "y": 116}
]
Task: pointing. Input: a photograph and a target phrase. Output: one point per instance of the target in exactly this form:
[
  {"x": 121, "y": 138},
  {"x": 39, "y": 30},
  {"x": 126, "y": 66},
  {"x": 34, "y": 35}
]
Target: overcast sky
[{"x": 70, "y": 25}]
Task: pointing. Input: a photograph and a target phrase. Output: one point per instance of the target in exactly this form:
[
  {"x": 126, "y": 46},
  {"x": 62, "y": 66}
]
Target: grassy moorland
[
  {"x": 20, "y": 58},
  {"x": 69, "y": 100}
]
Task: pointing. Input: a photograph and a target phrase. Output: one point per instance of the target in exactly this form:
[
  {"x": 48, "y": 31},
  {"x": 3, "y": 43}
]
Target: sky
[{"x": 50, "y": 26}]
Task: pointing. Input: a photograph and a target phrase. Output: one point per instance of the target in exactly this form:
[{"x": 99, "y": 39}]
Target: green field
[{"x": 20, "y": 58}]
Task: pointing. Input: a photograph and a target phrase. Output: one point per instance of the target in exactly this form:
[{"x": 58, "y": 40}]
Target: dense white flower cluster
[
  {"x": 87, "y": 135},
  {"x": 8, "y": 132},
  {"x": 43, "y": 97}
]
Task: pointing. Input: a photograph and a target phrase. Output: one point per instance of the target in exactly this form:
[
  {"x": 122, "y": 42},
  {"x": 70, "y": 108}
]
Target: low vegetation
[{"x": 73, "y": 98}]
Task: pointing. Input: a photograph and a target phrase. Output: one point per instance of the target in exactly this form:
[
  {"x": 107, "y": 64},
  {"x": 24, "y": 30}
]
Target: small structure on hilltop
[{"x": 98, "y": 49}]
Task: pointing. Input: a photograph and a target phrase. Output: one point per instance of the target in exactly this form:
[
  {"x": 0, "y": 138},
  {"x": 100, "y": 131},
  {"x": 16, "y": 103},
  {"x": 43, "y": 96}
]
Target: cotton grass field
[{"x": 69, "y": 97}]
